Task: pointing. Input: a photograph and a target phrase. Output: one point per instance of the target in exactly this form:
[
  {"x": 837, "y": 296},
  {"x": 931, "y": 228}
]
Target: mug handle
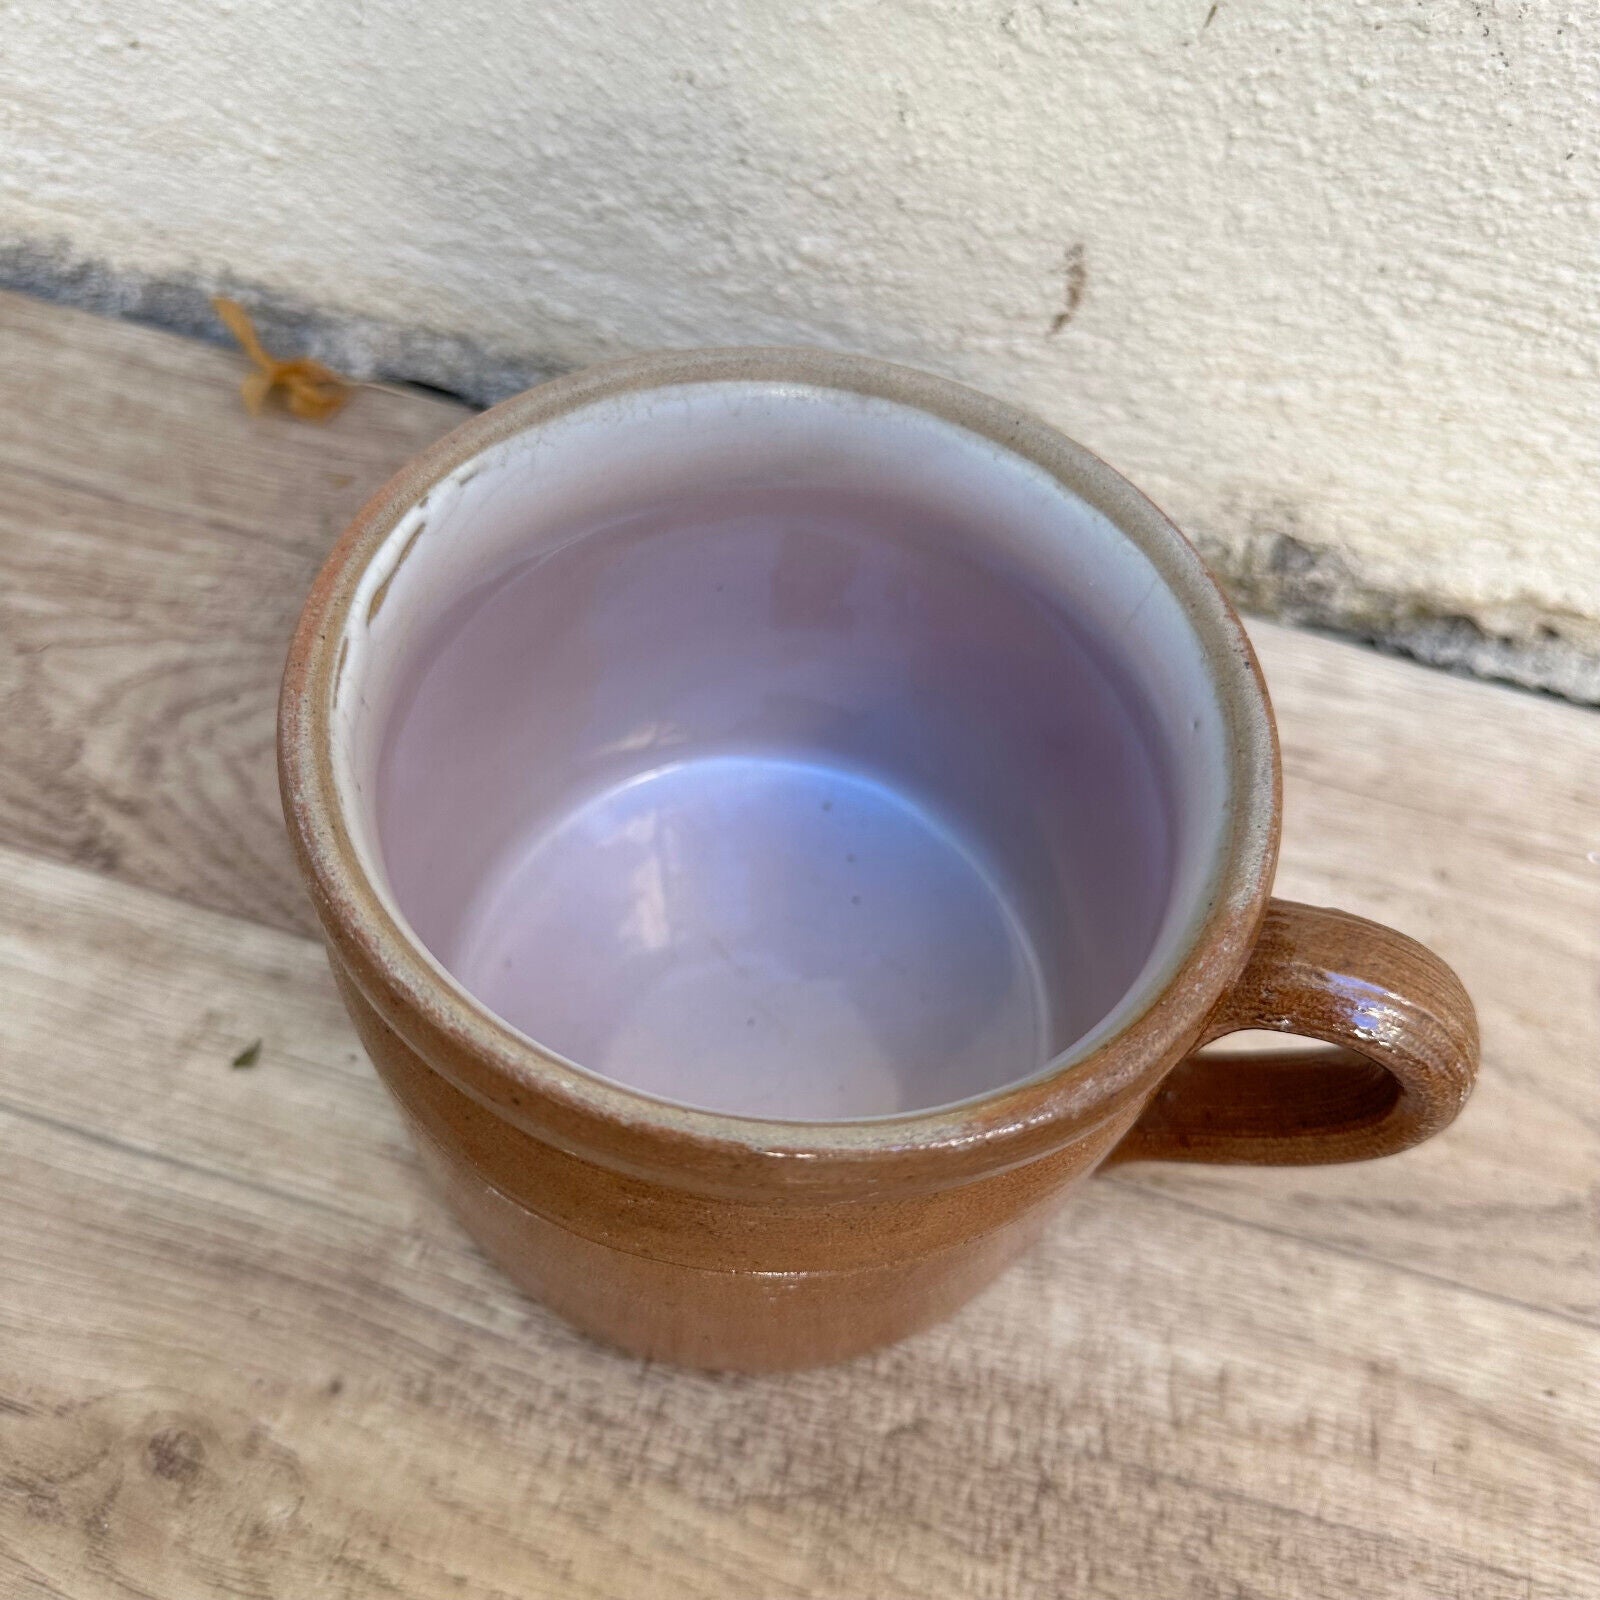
[{"x": 1407, "y": 1056}]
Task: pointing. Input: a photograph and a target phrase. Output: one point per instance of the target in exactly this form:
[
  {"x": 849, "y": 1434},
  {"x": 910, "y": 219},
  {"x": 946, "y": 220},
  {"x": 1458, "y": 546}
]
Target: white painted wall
[{"x": 1337, "y": 265}]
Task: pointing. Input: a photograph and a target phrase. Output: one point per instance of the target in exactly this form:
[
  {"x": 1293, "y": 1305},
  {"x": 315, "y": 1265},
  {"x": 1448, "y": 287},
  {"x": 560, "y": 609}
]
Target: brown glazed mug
[{"x": 779, "y": 820}]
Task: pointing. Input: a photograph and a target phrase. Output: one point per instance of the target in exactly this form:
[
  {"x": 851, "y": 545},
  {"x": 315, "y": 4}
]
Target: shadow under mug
[{"x": 780, "y": 819}]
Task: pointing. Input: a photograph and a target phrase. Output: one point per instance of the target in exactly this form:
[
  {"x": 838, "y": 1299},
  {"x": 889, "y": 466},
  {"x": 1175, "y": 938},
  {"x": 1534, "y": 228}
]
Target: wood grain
[
  {"x": 197, "y": 1253},
  {"x": 243, "y": 1352},
  {"x": 139, "y": 659},
  {"x": 1466, "y": 815},
  {"x": 155, "y": 544}
]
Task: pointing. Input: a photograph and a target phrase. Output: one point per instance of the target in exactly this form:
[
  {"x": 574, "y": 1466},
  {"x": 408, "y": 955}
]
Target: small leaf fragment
[
  {"x": 249, "y": 1055},
  {"x": 309, "y": 389}
]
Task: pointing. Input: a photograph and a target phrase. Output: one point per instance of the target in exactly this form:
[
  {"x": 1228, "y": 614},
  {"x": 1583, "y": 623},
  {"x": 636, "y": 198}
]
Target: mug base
[{"x": 747, "y": 1322}]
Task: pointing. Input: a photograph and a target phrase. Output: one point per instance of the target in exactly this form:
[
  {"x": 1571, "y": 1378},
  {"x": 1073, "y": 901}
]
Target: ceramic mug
[{"x": 780, "y": 819}]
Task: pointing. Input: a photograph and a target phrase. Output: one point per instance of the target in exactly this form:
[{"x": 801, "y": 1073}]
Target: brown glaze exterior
[
  {"x": 731, "y": 1242},
  {"x": 1407, "y": 1051}
]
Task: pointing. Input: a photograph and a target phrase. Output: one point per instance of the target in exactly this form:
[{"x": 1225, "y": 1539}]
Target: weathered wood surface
[
  {"x": 242, "y": 1352},
  {"x": 155, "y": 544}
]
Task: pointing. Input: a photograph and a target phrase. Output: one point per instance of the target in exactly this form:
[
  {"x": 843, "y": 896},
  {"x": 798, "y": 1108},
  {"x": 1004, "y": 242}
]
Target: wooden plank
[
  {"x": 246, "y": 1353},
  {"x": 152, "y": 561},
  {"x": 154, "y": 423},
  {"x": 155, "y": 544},
  {"x": 1465, "y": 814}
]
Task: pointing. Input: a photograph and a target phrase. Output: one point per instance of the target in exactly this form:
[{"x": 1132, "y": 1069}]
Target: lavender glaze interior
[{"x": 779, "y": 751}]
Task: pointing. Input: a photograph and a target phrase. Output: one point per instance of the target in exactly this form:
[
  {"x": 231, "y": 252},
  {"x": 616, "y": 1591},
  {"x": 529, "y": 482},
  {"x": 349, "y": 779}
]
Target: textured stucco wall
[{"x": 1324, "y": 279}]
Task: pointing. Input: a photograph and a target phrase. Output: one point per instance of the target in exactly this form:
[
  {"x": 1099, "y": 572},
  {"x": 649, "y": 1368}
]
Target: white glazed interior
[{"x": 885, "y": 688}]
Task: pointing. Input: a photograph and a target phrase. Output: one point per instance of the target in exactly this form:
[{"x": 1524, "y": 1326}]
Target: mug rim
[{"x": 606, "y": 1121}]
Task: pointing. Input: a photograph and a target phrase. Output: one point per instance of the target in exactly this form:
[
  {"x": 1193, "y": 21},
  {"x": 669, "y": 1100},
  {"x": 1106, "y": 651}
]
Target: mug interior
[{"x": 781, "y": 750}]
